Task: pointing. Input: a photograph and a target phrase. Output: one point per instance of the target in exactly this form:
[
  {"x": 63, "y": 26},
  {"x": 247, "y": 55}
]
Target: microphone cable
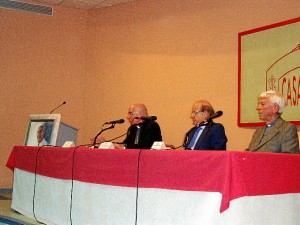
[
  {"x": 137, "y": 182},
  {"x": 97, "y": 143},
  {"x": 35, "y": 181},
  {"x": 177, "y": 147},
  {"x": 34, "y": 184},
  {"x": 137, "y": 186},
  {"x": 116, "y": 137},
  {"x": 72, "y": 181}
]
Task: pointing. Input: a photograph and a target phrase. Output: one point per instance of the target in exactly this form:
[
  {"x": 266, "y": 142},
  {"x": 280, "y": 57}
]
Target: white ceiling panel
[{"x": 86, "y": 4}]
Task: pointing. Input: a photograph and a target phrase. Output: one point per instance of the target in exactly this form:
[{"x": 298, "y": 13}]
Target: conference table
[{"x": 89, "y": 186}]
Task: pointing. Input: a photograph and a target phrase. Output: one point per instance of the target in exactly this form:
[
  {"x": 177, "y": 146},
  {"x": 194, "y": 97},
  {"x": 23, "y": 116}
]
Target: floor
[{"x": 6, "y": 211}]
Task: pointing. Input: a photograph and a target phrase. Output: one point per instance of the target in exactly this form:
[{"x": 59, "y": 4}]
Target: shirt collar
[{"x": 271, "y": 124}]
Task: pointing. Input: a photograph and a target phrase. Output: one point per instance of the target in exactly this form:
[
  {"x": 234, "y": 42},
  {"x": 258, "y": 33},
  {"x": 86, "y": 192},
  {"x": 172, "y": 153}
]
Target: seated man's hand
[
  {"x": 118, "y": 146},
  {"x": 170, "y": 146}
]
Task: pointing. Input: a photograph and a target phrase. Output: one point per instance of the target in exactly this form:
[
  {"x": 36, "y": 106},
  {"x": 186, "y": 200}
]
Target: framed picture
[
  {"x": 269, "y": 59},
  {"x": 42, "y": 129}
]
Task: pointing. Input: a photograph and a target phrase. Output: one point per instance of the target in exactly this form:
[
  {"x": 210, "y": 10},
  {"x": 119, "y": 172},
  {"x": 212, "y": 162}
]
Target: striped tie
[{"x": 193, "y": 141}]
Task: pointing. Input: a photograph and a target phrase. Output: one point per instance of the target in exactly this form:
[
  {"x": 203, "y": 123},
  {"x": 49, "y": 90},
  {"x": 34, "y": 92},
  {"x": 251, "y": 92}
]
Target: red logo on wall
[{"x": 284, "y": 76}]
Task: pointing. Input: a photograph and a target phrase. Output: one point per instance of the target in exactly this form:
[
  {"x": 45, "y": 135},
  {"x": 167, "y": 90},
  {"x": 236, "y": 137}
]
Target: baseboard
[{"x": 5, "y": 190}]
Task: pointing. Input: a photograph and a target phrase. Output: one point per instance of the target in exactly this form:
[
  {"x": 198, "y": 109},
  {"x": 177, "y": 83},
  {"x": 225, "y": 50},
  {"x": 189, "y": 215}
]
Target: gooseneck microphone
[
  {"x": 57, "y": 107},
  {"x": 216, "y": 114},
  {"x": 147, "y": 118},
  {"x": 213, "y": 116},
  {"x": 112, "y": 125},
  {"x": 115, "y": 121}
]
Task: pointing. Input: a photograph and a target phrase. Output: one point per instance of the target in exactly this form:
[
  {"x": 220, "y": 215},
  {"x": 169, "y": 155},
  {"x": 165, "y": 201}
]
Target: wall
[
  {"x": 43, "y": 63},
  {"x": 169, "y": 54},
  {"x": 166, "y": 54}
]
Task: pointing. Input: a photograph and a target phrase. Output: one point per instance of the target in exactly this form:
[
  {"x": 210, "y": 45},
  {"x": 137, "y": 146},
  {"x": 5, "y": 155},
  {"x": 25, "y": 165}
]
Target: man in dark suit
[
  {"x": 142, "y": 133},
  {"x": 205, "y": 135},
  {"x": 278, "y": 135}
]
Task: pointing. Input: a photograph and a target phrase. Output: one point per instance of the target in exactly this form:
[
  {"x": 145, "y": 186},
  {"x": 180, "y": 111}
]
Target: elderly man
[
  {"x": 40, "y": 135},
  {"x": 205, "y": 135},
  {"x": 142, "y": 133},
  {"x": 278, "y": 135}
]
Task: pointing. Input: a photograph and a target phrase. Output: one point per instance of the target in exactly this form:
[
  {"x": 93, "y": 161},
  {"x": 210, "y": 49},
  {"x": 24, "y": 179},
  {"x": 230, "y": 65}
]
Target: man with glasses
[
  {"x": 142, "y": 133},
  {"x": 205, "y": 135}
]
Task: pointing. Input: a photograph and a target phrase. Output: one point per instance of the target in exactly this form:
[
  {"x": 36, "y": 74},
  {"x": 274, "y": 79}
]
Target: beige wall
[{"x": 164, "y": 53}]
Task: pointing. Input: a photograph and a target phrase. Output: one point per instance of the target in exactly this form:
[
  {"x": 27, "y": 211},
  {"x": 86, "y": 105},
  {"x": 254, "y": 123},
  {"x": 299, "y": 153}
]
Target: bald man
[
  {"x": 142, "y": 133},
  {"x": 205, "y": 135}
]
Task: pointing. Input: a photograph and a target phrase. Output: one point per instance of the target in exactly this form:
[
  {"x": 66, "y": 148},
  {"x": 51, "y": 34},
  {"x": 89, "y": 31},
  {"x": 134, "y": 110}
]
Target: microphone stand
[
  {"x": 57, "y": 107},
  {"x": 103, "y": 129}
]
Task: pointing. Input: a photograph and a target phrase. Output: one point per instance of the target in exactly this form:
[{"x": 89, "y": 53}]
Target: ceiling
[{"x": 86, "y": 4}]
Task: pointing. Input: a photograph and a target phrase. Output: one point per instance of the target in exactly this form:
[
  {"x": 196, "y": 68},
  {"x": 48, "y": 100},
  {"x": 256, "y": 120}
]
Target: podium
[
  {"x": 47, "y": 129},
  {"x": 66, "y": 133}
]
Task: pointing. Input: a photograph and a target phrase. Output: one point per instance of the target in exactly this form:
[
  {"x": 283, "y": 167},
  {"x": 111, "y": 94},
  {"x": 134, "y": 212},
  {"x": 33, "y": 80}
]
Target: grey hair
[{"x": 275, "y": 98}]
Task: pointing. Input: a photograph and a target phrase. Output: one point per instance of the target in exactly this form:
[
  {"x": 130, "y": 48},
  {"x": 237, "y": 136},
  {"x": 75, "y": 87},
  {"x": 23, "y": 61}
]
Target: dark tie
[{"x": 192, "y": 143}]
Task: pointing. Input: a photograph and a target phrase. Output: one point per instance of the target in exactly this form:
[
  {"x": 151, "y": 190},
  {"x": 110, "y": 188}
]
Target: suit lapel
[
  {"x": 204, "y": 133},
  {"x": 258, "y": 136},
  {"x": 270, "y": 135}
]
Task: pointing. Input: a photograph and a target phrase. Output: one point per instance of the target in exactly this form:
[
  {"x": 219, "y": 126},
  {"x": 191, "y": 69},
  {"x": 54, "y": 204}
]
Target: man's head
[
  {"x": 201, "y": 112},
  {"x": 270, "y": 106},
  {"x": 136, "y": 110},
  {"x": 41, "y": 132}
]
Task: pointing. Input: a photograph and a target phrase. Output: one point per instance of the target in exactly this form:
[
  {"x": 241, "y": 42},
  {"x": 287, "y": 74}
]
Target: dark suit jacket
[
  {"x": 282, "y": 137},
  {"x": 212, "y": 137},
  {"x": 149, "y": 133}
]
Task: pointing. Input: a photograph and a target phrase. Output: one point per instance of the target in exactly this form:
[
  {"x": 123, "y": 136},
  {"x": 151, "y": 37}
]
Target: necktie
[{"x": 193, "y": 141}]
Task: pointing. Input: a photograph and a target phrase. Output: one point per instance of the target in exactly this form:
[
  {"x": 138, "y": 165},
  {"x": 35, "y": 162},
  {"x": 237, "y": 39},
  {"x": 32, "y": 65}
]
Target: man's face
[
  {"x": 132, "y": 113},
  {"x": 40, "y": 134},
  {"x": 266, "y": 110},
  {"x": 197, "y": 115}
]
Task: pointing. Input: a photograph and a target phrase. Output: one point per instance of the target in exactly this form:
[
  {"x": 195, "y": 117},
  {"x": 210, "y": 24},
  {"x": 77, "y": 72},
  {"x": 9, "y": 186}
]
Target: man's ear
[
  {"x": 206, "y": 115},
  {"x": 276, "y": 108}
]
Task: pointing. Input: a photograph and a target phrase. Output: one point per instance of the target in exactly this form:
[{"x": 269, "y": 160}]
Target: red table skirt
[{"x": 233, "y": 174}]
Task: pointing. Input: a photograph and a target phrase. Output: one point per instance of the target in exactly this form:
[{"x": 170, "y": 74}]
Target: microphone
[
  {"x": 213, "y": 116},
  {"x": 147, "y": 118},
  {"x": 216, "y": 114},
  {"x": 58, "y": 107},
  {"x": 115, "y": 121}
]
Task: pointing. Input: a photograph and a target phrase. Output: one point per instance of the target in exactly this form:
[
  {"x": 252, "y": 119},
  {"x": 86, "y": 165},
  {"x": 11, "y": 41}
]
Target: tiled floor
[{"x": 5, "y": 210}]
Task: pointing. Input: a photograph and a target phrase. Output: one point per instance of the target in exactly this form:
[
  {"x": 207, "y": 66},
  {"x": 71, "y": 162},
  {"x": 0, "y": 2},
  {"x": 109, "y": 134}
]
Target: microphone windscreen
[{"x": 216, "y": 115}]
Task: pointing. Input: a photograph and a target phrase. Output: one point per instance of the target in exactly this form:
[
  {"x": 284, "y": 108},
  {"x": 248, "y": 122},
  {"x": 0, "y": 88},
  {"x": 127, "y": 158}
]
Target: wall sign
[{"x": 269, "y": 59}]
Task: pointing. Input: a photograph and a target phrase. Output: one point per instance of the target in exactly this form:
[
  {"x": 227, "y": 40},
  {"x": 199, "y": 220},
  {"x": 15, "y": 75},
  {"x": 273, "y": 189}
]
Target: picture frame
[
  {"x": 269, "y": 59},
  {"x": 42, "y": 129}
]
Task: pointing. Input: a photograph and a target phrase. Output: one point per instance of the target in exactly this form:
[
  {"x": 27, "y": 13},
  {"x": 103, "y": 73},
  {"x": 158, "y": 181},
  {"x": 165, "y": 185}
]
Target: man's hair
[
  {"x": 275, "y": 98},
  {"x": 206, "y": 106}
]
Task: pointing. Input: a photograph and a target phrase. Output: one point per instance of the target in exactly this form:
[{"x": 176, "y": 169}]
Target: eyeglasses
[{"x": 196, "y": 112}]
